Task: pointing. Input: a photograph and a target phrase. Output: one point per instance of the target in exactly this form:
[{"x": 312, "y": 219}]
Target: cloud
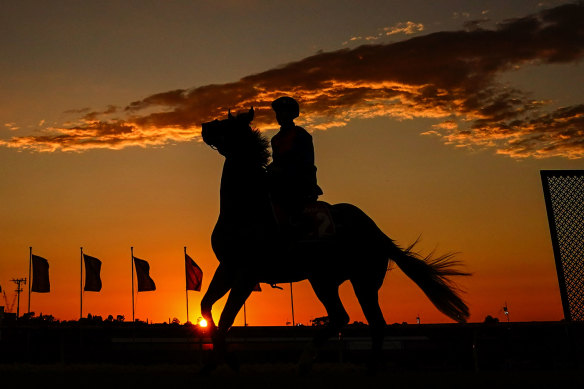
[
  {"x": 11, "y": 126},
  {"x": 78, "y": 110},
  {"x": 450, "y": 76},
  {"x": 114, "y": 134},
  {"x": 404, "y": 28},
  {"x": 475, "y": 24},
  {"x": 558, "y": 133},
  {"x": 407, "y": 28}
]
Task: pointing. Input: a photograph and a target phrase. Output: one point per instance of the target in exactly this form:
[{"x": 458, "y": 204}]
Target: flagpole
[
  {"x": 292, "y": 303},
  {"x": 186, "y": 289},
  {"x": 132, "y": 251},
  {"x": 29, "y": 278},
  {"x": 187, "y": 294},
  {"x": 81, "y": 285}
]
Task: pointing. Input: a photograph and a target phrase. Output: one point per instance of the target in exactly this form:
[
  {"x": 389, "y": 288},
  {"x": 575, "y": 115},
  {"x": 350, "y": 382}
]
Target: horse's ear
[
  {"x": 246, "y": 117},
  {"x": 229, "y": 115}
]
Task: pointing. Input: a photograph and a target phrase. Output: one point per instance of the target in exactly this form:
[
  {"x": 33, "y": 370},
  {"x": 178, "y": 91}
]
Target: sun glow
[{"x": 203, "y": 323}]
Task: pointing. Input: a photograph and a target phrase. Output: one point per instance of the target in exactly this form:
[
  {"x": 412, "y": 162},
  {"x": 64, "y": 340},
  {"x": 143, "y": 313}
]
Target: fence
[{"x": 564, "y": 198}]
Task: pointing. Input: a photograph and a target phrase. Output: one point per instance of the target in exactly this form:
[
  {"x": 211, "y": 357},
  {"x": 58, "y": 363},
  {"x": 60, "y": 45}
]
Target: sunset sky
[{"x": 435, "y": 118}]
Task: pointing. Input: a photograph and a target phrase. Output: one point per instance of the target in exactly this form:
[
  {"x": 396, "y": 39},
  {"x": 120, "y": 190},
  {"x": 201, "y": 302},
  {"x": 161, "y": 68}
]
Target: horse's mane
[{"x": 259, "y": 147}]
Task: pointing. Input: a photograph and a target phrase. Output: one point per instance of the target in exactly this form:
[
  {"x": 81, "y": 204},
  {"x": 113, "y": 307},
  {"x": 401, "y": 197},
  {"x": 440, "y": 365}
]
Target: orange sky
[
  {"x": 158, "y": 201},
  {"x": 439, "y": 130}
]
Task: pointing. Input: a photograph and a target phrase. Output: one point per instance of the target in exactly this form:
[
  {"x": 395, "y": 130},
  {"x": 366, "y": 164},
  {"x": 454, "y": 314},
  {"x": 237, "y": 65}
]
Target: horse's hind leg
[
  {"x": 367, "y": 294},
  {"x": 328, "y": 294}
]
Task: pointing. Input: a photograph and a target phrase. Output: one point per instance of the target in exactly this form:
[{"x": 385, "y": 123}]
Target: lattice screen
[{"x": 564, "y": 198}]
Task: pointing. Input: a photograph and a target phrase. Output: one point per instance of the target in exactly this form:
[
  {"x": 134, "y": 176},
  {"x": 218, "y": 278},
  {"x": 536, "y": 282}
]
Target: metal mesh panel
[{"x": 564, "y": 197}]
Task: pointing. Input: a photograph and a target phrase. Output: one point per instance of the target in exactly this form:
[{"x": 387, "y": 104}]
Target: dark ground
[
  {"x": 323, "y": 376},
  {"x": 110, "y": 355}
]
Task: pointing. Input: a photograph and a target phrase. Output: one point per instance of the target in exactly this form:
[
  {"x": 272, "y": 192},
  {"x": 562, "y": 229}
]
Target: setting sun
[{"x": 203, "y": 323}]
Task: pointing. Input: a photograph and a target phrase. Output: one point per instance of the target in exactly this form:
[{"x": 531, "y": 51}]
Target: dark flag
[
  {"x": 145, "y": 283},
  {"x": 193, "y": 273},
  {"x": 92, "y": 274},
  {"x": 257, "y": 288},
  {"x": 40, "y": 275}
]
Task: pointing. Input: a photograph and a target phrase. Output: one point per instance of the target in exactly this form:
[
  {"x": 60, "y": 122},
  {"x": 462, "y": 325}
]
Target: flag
[
  {"x": 40, "y": 275},
  {"x": 92, "y": 274},
  {"x": 145, "y": 283},
  {"x": 194, "y": 274},
  {"x": 257, "y": 288}
]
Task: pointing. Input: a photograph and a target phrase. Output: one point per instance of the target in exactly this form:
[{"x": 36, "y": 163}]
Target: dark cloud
[
  {"x": 78, "y": 110},
  {"x": 475, "y": 24},
  {"x": 450, "y": 76},
  {"x": 94, "y": 115}
]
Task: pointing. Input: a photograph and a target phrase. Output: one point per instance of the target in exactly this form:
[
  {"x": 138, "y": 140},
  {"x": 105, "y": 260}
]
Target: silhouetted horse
[{"x": 250, "y": 249}]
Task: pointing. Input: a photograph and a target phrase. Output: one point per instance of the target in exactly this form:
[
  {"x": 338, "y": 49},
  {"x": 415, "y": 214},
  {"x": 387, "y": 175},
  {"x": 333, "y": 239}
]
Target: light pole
[{"x": 19, "y": 289}]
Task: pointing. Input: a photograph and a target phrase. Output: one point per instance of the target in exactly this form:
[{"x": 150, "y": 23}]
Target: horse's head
[
  {"x": 235, "y": 137},
  {"x": 224, "y": 135}
]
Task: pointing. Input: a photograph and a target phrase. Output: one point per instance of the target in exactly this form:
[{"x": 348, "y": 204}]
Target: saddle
[
  {"x": 321, "y": 221},
  {"x": 315, "y": 222}
]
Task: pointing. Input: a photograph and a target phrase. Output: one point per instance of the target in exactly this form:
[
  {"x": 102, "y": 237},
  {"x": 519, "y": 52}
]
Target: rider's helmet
[{"x": 287, "y": 106}]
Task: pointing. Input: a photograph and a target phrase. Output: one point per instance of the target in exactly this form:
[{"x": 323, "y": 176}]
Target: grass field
[{"x": 323, "y": 376}]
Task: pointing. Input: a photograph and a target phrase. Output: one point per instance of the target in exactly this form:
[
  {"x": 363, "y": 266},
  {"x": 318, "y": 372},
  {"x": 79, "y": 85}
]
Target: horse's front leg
[
  {"x": 239, "y": 294},
  {"x": 237, "y": 297},
  {"x": 219, "y": 286}
]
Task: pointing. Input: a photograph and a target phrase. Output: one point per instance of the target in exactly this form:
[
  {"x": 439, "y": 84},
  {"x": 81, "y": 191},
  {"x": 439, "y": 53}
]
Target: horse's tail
[{"x": 432, "y": 275}]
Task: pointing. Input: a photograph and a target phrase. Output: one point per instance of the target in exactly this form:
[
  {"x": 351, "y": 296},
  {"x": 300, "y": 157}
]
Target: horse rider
[{"x": 292, "y": 172}]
